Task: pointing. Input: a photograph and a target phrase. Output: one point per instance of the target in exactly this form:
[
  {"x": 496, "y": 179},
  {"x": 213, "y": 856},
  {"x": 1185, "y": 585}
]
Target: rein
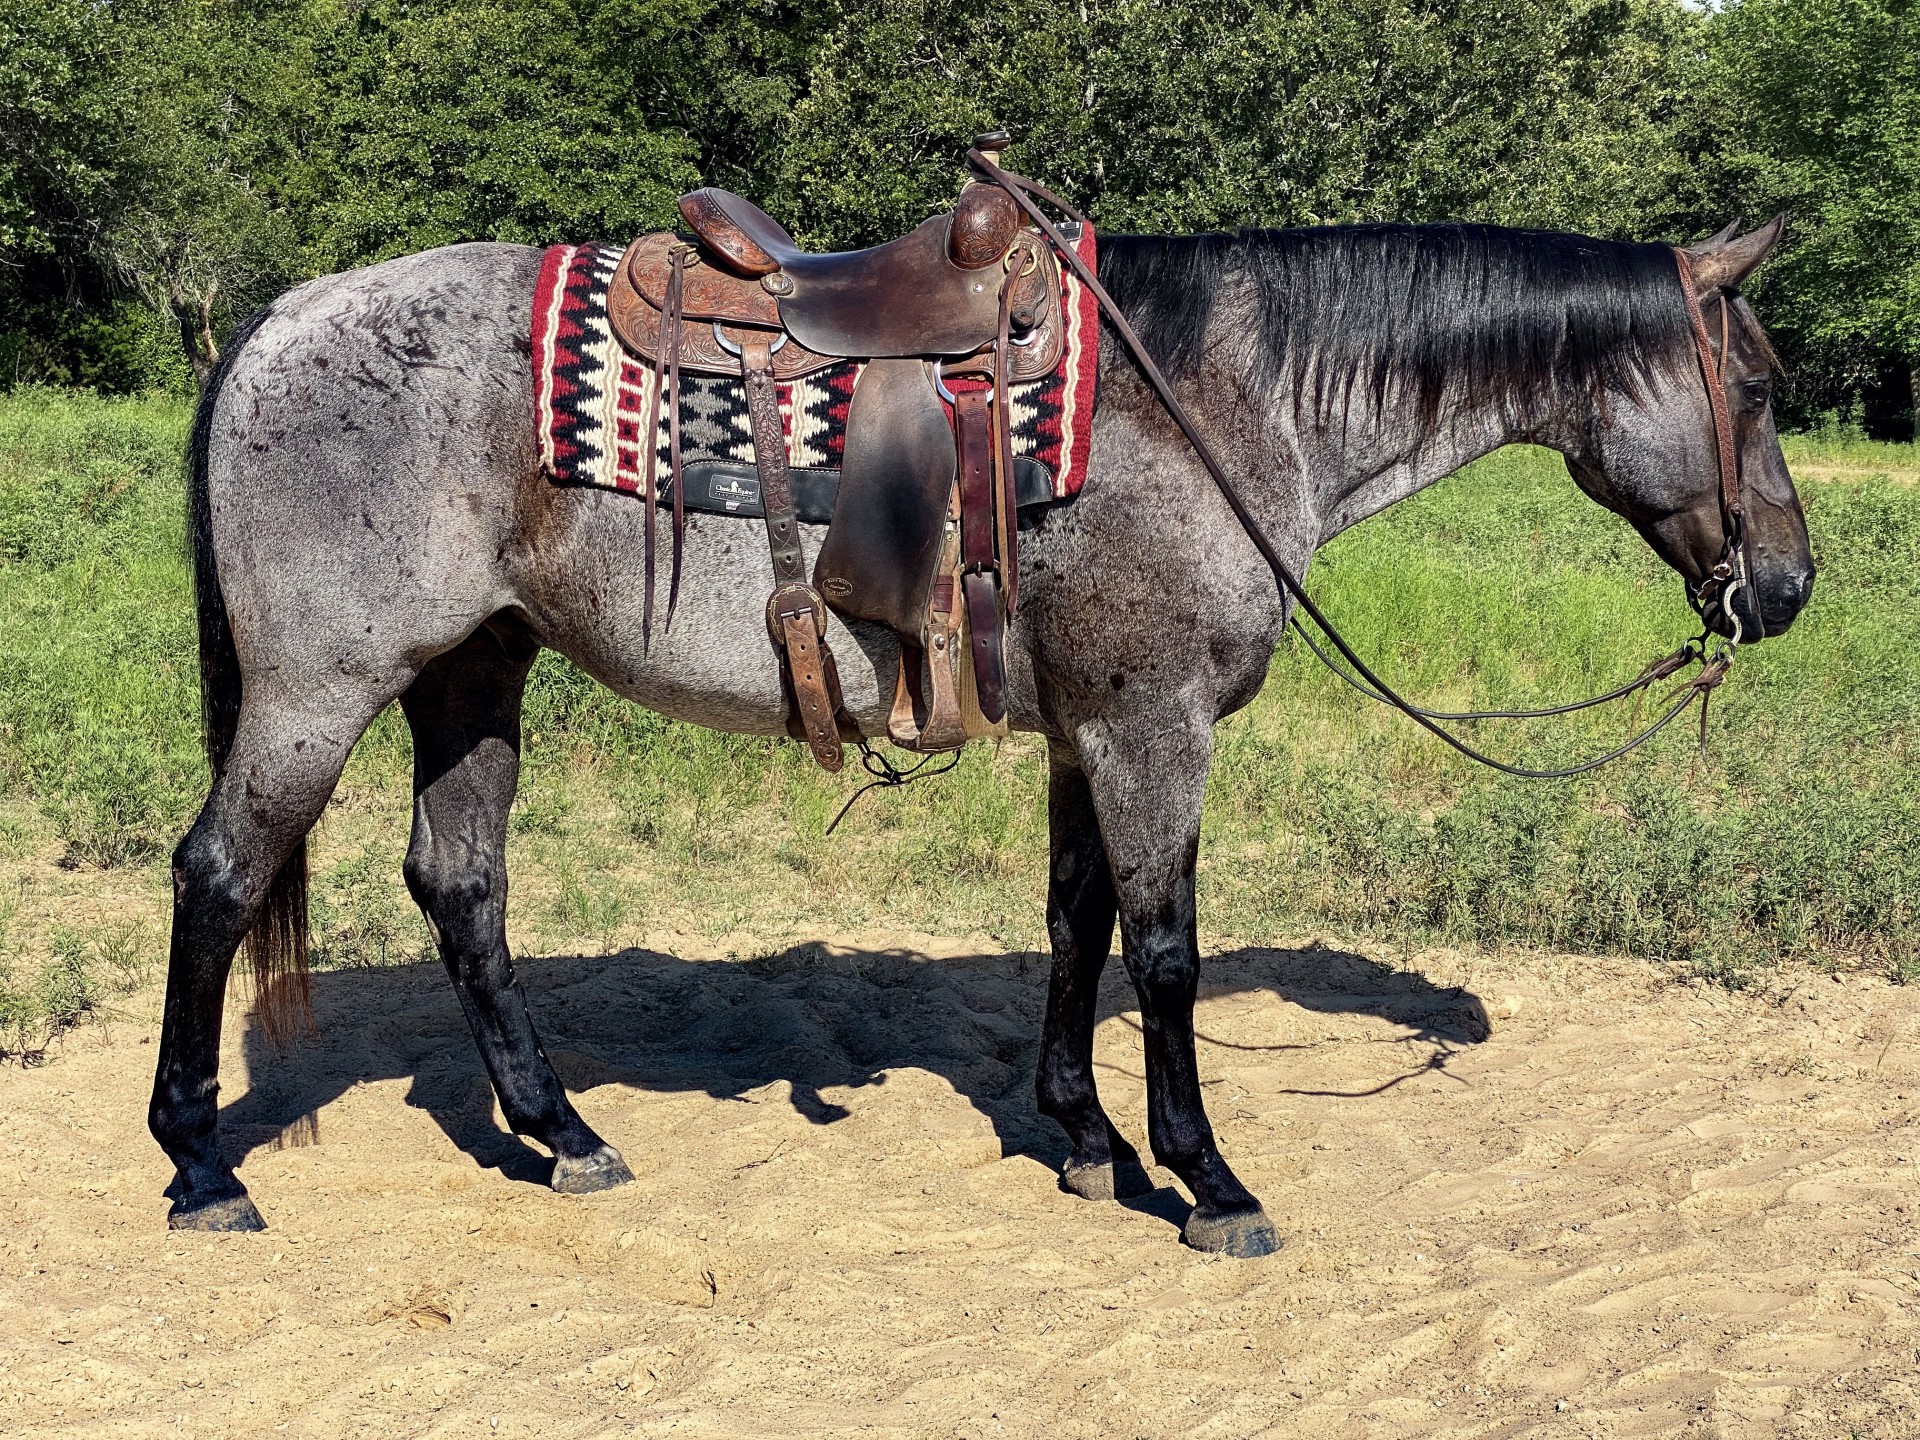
[{"x": 1719, "y": 585}]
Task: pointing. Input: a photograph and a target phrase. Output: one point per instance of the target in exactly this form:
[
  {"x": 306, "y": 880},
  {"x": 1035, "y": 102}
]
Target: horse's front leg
[
  {"x": 1080, "y": 916},
  {"x": 1147, "y": 775}
]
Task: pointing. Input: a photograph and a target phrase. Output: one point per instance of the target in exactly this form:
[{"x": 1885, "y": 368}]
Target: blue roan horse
[{"x": 370, "y": 523}]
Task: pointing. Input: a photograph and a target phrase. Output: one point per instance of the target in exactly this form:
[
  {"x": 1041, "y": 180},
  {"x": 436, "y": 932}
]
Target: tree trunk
[{"x": 194, "y": 315}]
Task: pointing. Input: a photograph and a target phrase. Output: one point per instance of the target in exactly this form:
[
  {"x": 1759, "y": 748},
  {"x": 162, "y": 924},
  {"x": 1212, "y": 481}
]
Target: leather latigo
[{"x": 979, "y": 562}]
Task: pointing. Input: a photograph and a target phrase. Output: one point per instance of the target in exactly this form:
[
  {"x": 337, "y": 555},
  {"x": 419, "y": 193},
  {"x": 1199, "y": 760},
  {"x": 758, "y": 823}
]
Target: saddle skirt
[{"x": 591, "y": 399}]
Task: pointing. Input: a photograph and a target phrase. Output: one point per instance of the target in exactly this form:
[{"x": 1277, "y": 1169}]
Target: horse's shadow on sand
[{"x": 819, "y": 1019}]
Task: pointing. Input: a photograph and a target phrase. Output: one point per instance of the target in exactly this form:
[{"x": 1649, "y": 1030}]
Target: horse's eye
[{"x": 1754, "y": 395}]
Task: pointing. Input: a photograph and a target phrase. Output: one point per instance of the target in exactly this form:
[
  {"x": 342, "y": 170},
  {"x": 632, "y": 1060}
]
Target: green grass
[
  {"x": 1502, "y": 585},
  {"x": 1326, "y": 814},
  {"x": 1844, "y": 447}
]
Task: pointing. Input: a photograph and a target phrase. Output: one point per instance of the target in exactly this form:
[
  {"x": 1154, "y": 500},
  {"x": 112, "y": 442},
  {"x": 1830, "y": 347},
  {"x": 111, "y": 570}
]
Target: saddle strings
[
  {"x": 1007, "y": 502},
  {"x": 1714, "y": 666},
  {"x": 676, "y": 303},
  {"x": 668, "y": 319}
]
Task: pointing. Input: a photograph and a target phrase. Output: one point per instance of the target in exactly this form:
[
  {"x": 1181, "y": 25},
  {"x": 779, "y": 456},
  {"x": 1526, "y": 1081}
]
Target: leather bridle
[
  {"x": 1719, "y": 585},
  {"x": 1722, "y": 582}
]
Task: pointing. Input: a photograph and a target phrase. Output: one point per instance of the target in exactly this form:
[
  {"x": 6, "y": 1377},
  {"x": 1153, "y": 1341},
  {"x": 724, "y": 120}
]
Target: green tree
[
  {"x": 522, "y": 120},
  {"x": 60, "y": 164},
  {"x": 58, "y": 136},
  {"x": 1182, "y": 116},
  {"x": 216, "y": 101},
  {"x": 144, "y": 147},
  {"x": 1816, "y": 104}
]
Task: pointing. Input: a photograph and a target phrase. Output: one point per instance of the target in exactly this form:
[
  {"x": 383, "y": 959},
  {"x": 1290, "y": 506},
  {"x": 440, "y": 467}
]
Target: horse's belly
[{"x": 715, "y": 665}]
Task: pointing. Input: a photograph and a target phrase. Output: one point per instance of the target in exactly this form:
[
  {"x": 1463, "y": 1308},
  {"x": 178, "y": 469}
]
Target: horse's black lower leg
[
  {"x": 274, "y": 785},
  {"x": 1148, "y": 782},
  {"x": 1080, "y": 916},
  {"x": 465, "y": 714}
]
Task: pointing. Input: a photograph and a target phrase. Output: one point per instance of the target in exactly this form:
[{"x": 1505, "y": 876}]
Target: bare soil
[
  {"x": 1521, "y": 1195},
  {"x": 1895, "y": 473}
]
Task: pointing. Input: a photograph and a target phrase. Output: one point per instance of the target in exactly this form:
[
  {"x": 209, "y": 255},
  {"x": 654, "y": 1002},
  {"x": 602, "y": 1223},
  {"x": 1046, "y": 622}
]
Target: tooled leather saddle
[{"x": 923, "y": 536}]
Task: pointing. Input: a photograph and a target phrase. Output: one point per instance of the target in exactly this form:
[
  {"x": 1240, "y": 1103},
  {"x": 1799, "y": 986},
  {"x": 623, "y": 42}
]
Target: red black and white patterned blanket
[{"x": 591, "y": 398}]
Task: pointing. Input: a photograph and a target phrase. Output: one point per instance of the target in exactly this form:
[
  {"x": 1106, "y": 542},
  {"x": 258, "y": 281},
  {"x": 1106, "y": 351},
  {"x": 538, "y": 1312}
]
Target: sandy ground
[{"x": 1521, "y": 1196}]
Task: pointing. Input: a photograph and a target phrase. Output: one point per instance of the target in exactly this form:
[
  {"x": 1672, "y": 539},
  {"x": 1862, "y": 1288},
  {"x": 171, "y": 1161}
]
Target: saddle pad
[{"x": 591, "y": 399}]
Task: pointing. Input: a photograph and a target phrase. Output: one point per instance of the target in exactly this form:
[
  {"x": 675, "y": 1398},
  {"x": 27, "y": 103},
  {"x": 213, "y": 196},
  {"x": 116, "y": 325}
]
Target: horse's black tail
[{"x": 277, "y": 944}]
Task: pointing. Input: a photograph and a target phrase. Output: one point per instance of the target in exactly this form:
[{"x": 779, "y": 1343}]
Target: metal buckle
[
  {"x": 780, "y": 605},
  {"x": 731, "y": 348}
]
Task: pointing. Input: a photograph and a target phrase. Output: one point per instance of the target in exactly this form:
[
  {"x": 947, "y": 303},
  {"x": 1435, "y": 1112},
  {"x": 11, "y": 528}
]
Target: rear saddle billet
[{"x": 923, "y": 537}]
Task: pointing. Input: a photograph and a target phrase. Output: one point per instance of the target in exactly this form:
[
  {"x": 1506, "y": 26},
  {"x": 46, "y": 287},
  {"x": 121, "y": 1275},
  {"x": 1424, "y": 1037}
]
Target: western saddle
[{"x": 923, "y": 537}]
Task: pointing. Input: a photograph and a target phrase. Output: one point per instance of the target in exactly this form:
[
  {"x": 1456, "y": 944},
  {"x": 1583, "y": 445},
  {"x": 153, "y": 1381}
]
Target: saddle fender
[{"x": 896, "y": 482}]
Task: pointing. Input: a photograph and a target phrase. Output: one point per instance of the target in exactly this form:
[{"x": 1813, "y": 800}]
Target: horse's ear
[
  {"x": 1714, "y": 242},
  {"x": 1724, "y": 261}
]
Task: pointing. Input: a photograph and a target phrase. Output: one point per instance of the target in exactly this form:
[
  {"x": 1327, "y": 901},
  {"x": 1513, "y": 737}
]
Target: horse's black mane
[{"x": 1351, "y": 315}]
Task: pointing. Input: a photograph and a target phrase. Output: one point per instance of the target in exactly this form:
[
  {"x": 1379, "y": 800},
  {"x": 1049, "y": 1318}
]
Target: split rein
[{"x": 1723, "y": 582}]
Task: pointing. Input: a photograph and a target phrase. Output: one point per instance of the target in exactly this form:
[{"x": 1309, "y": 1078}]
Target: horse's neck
[{"x": 1359, "y": 473}]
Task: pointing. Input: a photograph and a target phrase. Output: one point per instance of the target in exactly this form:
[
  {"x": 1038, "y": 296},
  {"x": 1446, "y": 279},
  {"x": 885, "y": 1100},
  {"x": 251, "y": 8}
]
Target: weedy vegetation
[{"x": 1791, "y": 838}]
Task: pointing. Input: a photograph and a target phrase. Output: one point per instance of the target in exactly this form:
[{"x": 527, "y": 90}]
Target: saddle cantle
[
  {"x": 922, "y": 537},
  {"x": 911, "y": 296}
]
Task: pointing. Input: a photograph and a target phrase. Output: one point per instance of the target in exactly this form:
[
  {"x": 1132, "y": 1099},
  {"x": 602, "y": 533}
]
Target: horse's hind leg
[
  {"x": 1147, "y": 776},
  {"x": 1080, "y": 915},
  {"x": 465, "y": 714},
  {"x": 281, "y": 768}
]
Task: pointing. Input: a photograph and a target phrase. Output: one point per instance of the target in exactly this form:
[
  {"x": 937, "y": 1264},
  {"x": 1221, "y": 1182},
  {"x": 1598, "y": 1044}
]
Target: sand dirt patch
[{"x": 1521, "y": 1195}]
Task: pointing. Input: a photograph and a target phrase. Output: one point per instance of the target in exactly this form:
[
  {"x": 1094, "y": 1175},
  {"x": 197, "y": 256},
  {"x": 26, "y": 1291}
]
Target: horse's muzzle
[{"x": 1766, "y": 607}]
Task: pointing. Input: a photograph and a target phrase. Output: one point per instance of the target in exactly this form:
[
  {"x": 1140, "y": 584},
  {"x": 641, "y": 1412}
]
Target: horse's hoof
[
  {"x": 1243, "y": 1234},
  {"x": 236, "y": 1213},
  {"x": 1089, "y": 1182},
  {"x": 1112, "y": 1180},
  {"x": 582, "y": 1175}
]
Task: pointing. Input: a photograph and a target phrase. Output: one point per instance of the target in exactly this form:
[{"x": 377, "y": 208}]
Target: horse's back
[{"x": 364, "y": 459}]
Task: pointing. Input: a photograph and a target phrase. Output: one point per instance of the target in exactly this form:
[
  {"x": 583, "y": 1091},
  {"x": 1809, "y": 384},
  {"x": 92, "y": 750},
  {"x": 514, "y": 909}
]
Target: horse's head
[{"x": 1653, "y": 456}]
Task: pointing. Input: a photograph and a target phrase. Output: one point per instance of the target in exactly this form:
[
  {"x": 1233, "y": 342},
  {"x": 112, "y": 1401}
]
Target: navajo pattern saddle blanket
[{"x": 592, "y": 398}]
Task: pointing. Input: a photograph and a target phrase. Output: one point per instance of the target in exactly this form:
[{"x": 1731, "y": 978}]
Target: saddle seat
[
  {"x": 858, "y": 312},
  {"x": 933, "y": 291}
]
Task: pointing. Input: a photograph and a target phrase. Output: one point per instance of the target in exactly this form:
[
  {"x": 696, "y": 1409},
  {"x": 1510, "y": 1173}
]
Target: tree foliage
[
  {"x": 186, "y": 158},
  {"x": 1164, "y": 117},
  {"x": 1817, "y": 106},
  {"x": 500, "y": 121}
]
